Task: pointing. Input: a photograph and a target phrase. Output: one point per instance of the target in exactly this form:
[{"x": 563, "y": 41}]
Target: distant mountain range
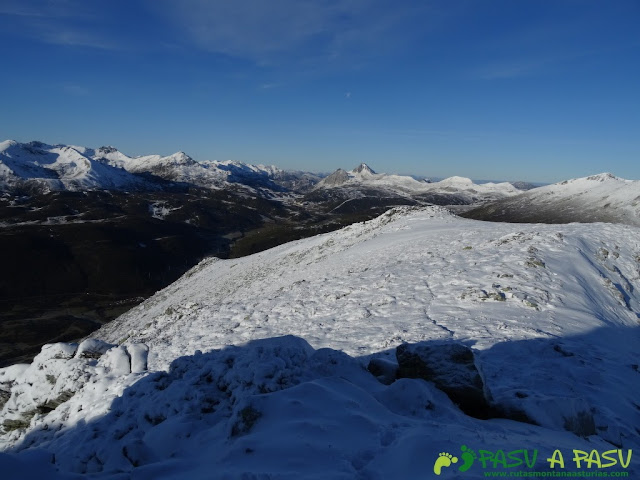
[
  {"x": 362, "y": 189},
  {"x": 465, "y": 189},
  {"x": 38, "y": 167}
]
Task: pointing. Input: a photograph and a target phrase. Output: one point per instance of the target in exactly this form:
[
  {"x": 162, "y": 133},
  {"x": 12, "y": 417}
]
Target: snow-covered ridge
[
  {"x": 58, "y": 167},
  {"x": 550, "y": 312},
  {"x": 602, "y": 191},
  {"x": 466, "y": 186},
  {"x": 596, "y": 198},
  {"x": 61, "y": 167}
]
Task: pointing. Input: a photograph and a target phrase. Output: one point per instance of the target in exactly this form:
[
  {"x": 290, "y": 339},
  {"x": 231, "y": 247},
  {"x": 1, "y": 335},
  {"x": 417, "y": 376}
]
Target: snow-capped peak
[
  {"x": 604, "y": 180},
  {"x": 181, "y": 157},
  {"x": 603, "y": 177},
  {"x": 471, "y": 192},
  {"x": 455, "y": 180},
  {"x": 363, "y": 169}
]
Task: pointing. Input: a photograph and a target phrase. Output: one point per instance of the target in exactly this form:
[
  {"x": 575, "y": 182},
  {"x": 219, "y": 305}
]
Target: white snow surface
[
  {"x": 464, "y": 184},
  {"x": 257, "y": 365}
]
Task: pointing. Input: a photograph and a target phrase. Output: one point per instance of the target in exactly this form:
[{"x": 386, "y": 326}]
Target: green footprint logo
[
  {"x": 468, "y": 457},
  {"x": 444, "y": 460}
]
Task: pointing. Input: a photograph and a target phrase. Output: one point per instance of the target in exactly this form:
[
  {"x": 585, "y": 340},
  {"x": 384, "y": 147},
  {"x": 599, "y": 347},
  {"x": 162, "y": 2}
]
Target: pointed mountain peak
[{"x": 364, "y": 168}]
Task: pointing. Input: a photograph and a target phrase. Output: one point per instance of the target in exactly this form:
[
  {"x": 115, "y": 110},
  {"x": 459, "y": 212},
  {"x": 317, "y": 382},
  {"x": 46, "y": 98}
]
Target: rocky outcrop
[
  {"x": 451, "y": 367},
  {"x": 93, "y": 348},
  {"x": 384, "y": 370},
  {"x": 28, "y": 393}
]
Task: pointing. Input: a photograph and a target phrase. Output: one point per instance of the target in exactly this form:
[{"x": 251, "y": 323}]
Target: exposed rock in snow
[
  {"x": 272, "y": 407},
  {"x": 59, "y": 373},
  {"x": 451, "y": 367},
  {"x": 92, "y": 348},
  {"x": 63, "y": 351},
  {"x": 384, "y": 370}
]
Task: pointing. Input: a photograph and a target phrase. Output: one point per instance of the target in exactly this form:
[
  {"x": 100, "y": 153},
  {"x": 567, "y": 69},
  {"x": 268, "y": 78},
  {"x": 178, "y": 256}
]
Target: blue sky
[{"x": 489, "y": 89}]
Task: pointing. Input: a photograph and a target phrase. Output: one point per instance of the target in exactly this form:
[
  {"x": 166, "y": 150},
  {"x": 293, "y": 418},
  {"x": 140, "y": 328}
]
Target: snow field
[{"x": 258, "y": 365}]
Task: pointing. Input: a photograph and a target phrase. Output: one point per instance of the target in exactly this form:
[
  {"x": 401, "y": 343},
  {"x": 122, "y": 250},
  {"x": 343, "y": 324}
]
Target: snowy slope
[
  {"x": 463, "y": 188},
  {"x": 58, "y": 167},
  {"x": 180, "y": 167},
  {"x": 550, "y": 312},
  {"x": 598, "y": 198},
  {"x": 471, "y": 191}
]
